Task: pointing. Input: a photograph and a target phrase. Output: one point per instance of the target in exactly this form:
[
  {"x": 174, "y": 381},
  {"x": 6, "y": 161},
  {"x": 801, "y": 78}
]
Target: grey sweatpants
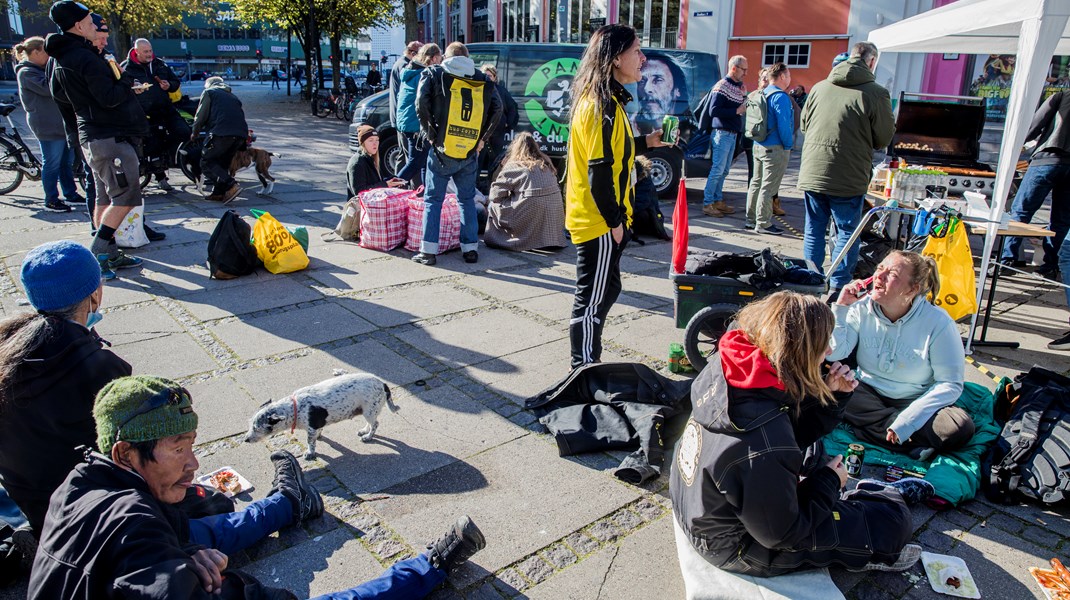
[
  {"x": 870, "y": 414},
  {"x": 101, "y": 155}
]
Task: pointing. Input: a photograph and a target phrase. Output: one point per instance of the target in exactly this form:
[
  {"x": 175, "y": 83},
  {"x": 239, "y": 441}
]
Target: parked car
[{"x": 539, "y": 77}]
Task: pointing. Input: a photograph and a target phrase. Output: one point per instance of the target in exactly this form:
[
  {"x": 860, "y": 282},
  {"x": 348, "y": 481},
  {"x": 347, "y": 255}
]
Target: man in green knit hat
[{"x": 112, "y": 529}]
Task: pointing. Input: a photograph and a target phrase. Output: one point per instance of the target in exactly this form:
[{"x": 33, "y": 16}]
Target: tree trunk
[
  {"x": 409, "y": 14},
  {"x": 336, "y": 59},
  {"x": 121, "y": 38}
]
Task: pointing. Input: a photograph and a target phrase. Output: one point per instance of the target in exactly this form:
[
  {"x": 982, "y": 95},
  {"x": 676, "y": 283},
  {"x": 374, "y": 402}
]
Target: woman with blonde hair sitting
[{"x": 526, "y": 210}]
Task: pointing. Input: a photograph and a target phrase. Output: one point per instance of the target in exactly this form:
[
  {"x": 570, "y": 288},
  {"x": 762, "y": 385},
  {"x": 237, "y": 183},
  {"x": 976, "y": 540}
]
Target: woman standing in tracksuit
[{"x": 601, "y": 180}]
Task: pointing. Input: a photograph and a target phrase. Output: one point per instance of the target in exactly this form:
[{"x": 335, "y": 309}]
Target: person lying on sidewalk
[
  {"x": 910, "y": 360},
  {"x": 112, "y": 530},
  {"x": 744, "y": 493}
]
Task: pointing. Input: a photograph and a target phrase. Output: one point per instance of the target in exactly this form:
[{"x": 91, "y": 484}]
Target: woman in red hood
[{"x": 752, "y": 491}]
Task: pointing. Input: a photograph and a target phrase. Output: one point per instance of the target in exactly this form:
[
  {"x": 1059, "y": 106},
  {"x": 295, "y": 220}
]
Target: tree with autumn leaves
[{"x": 333, "y": 19}]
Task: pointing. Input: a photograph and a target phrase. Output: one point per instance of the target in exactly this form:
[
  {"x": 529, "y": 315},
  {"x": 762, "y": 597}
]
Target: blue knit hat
[{"x": 59, "y": 274}]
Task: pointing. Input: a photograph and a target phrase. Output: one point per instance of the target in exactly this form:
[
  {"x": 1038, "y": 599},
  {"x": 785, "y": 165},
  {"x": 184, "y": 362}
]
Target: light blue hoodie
[{"x": 918, "y": 357}]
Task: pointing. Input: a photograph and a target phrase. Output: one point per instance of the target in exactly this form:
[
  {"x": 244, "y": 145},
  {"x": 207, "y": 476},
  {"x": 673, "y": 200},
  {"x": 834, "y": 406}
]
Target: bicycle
[
  {"x": 325, "y": 102},
  {"x": 16, "y": 159}
]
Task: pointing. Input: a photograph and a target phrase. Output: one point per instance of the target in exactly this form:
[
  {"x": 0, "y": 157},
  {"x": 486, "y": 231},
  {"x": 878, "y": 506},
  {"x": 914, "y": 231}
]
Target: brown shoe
[
  {"x": 214, "y": 197},
  {"x": 232, "y": 193},
  {"x": 710, "y": 210},
  {"x": 776, "y": 208},
  {"x": 723, "y": 207}
]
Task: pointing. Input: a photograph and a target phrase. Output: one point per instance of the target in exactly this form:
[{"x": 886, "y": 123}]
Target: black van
[{"x": 539, "y": 77}]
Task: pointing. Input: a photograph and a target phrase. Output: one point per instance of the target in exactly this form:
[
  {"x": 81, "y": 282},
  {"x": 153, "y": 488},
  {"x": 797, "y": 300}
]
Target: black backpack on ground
[
  {"x": 1031, "y": 458},
  {"x": 230, "y": 253}
]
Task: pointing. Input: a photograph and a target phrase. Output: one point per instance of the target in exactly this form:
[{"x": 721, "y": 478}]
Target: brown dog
[{"x": 260, "y": 159}]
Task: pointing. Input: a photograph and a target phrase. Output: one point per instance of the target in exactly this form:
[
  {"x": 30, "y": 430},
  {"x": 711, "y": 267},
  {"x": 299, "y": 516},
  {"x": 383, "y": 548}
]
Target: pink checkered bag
[
  {"x": 384, "y": 217},
  {"x": 449, "y": 231}
]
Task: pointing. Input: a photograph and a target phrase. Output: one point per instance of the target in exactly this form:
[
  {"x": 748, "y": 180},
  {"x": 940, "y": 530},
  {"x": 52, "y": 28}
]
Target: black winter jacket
[
  {"x": 106, "y": 536},
  {"x": 155, "y": 101},
  {"x": 102, "y": 98},
  {"x": 1052, "y": 131},
  {"x": 49, "y": 413},
  {"x": 220, "y": 113},
  {"x": 361, "y": 174},
  {"x": 736, "y": 476},
  {"x": 433, "y": 104},
  {"x": 510, "y": 116}
]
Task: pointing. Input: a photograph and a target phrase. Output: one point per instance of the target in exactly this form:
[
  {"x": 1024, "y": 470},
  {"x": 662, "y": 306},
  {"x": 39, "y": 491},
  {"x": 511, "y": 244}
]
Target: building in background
[{"x": 24, "y": 19}]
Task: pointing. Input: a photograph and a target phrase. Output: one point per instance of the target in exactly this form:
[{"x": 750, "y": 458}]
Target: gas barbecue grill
[{"x": 943, "y": 132}]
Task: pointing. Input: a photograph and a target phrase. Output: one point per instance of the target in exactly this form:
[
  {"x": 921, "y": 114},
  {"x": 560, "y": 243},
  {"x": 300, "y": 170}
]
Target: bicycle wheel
[
  {"x": 10, "y": 175},
  {"x": 322, "y": 106}
]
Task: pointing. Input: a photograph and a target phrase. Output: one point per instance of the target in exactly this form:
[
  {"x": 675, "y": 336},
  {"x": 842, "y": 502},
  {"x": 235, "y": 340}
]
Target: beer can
[
  {"x": 856, "y": 454},
  {"x": 676, "y": 355},
  {"x": 670, "y": 129}
]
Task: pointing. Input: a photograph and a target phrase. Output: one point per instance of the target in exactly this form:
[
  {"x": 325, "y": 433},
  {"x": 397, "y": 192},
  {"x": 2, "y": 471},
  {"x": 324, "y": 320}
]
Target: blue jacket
[
  {"x": 728, "y": 96},
  {"x": 781, "y": 118},
  {"x": 406, "y": 119}
]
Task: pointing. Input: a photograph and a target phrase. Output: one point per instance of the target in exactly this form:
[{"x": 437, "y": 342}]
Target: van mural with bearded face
[{"x": 539, "y": 78}]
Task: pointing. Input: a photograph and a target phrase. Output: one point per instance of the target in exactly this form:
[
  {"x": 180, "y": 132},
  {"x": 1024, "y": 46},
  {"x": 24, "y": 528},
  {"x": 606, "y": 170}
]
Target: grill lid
[{"x": 939, "y": 130}]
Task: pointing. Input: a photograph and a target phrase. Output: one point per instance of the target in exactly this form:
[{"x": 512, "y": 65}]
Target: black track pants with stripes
[{"x": 597, "y": 288}]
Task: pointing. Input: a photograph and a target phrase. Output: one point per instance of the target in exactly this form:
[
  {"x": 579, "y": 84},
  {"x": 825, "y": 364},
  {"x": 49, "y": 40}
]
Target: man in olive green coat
[{"x": 846, "y": 118}]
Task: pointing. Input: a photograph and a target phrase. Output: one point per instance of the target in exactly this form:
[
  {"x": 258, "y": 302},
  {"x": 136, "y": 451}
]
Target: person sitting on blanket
[
  {"x": 910, "y": 360},
  {"x": 743, "y": 491}
]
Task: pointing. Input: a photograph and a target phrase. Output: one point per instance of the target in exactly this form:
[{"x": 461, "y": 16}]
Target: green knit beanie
[{"x": 140, "y": 409}]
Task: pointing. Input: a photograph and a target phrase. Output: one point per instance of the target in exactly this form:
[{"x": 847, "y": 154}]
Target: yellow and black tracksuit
[{"x": 599, "y": 189}]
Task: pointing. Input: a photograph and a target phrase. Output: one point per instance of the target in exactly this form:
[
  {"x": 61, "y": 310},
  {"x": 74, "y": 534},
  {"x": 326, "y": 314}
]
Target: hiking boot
[
  {"x": 457, "y": 545},
  {"x": 425, "y": 259},
  {"x": 153, "y": 235},
  {"x": 231, "y": 194},
  {"x": 771, "y": 230},
  {"x": 471, "y": 256},
  {"x": 1061, "y": 343},
  {"x": 121, "y": 260},
  {"x": 290, "y": 482},
  {"x": 165, "y": 185},
  {"x": 780, "y": 212},
  {"x": 710, "y": 210},
  {"x": 723, "y": 207},
  {"x": 908, "y": 556},
  {"x": 58, "y": 206},
  {"x": 912, "y": 489}
]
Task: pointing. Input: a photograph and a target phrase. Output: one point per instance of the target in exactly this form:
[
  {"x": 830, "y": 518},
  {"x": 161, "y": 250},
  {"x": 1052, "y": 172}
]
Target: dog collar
[{"x": 293, "y": 426}]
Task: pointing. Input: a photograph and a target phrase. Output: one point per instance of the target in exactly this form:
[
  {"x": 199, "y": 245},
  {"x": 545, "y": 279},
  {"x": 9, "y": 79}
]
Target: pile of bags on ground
[
  {"x": 385, "y": 218},
  {"x": 237, "y": 249}
]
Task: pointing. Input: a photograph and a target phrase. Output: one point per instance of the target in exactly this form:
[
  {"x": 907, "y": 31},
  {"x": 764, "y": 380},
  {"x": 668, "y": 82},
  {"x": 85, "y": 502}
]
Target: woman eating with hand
[
  {"x": 747, "y": 497},
  {"x": 910, "y": 359}
]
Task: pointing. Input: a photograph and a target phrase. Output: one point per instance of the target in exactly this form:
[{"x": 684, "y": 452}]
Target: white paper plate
[
  {"x": 206, "y": 480},
  {"x": 941, "y": 566}
]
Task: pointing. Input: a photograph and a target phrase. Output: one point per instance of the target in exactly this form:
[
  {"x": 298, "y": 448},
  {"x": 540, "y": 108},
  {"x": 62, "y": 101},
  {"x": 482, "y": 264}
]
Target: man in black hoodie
[
  {"x": 110, "y": 121},
  {"x": 145, "y": 67}
]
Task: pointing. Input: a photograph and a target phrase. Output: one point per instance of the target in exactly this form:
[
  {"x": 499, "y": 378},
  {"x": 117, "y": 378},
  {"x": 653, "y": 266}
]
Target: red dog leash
[{"x": 294, "y": 425}]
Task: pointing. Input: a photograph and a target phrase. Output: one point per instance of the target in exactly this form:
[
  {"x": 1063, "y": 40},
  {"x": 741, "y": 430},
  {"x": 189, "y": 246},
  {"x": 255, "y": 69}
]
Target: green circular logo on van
[{"x": 551, "y": 84}]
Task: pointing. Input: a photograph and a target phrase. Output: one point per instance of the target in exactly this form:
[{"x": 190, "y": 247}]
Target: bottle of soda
[{"x": 676, "y": 353}]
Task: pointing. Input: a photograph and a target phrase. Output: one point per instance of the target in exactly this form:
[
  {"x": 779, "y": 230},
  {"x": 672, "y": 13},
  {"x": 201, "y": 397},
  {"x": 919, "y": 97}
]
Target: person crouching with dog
[
  {"x": 112, "y": 528},
  {"x": 220, "y": 115},
  {"x": 752, "y": 492},
  {"x": 457, "y": 107}
]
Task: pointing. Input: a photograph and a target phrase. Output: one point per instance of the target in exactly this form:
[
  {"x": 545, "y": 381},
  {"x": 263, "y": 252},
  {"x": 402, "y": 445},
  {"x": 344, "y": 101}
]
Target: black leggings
[{"x": 597, "y": 288}]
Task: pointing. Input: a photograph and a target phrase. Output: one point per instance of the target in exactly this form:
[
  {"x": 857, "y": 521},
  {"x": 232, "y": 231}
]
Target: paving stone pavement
[{"x": 462, "y": 346}]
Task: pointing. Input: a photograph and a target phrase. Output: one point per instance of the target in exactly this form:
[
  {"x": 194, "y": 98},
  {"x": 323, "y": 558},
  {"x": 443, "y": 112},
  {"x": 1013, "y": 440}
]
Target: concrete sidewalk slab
[
  {"x": 477, "y": 338},
  {"x": 174, "y": 356},
  {"x": 294, "y": 328}
]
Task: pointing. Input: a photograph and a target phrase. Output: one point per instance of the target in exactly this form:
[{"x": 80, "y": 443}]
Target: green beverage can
[
  {"x": 676, "y": 355},
  {"x": 856, "y": 454},
  {"x": 670, "y": 129}
]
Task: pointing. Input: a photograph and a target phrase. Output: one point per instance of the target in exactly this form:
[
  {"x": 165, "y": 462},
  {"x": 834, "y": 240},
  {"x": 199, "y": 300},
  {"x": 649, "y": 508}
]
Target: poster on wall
[{"x": 993, "y": 83}]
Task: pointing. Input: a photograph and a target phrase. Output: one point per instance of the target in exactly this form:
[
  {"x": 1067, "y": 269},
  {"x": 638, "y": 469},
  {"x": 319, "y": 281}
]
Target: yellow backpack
[{"x": 465, "y": 117}]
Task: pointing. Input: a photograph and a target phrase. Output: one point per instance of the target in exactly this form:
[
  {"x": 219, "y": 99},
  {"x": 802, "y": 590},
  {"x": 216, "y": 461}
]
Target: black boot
[
  {"x": 457, "y": 545},
  {"x": 290, "y": 482}
]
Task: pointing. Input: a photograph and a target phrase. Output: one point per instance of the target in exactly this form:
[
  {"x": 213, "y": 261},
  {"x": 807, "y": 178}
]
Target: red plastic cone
[{"x": 679, "y": 229}]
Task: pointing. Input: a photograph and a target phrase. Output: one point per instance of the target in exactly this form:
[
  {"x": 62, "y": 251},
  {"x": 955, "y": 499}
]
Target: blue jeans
[
  {"x": 416, "y": 159},
  {"x": 439, "y": 171},
  {"x": 847, "y": 213},
  {"x": 236, "y": 531},
  {"x": 1064, "y": 267},
  {"x": 721, "y": 155},
  {"x": 409, "y": 579},
  {"x": 1036, "y": 185},
  {"x": 57, "y": 166}
]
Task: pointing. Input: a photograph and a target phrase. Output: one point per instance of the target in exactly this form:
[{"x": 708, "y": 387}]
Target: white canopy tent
[{"x": 1033, "y": 30}]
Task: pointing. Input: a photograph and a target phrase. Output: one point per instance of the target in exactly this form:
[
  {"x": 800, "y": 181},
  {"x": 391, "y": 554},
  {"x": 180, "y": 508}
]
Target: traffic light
[
  {"x": 331, "y": 58},
  {"x": 382, "y": 60},
  {"x": 259, "y": 54}
]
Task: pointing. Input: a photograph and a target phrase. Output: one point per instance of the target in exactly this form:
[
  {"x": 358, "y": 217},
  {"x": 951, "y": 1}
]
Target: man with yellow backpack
[{"x": 458, "y": 108}]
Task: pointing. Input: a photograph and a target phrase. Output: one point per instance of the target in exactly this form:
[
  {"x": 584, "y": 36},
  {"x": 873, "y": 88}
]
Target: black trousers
[
  {"x": 215, "y": 160},
  {"x": 870, "y": 414},
  {"x": 597, "y": 288},
  {"x": 177, "y": 132}
]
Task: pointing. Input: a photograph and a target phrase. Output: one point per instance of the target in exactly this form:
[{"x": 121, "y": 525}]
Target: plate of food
[
  {"x": 949, "y": 575},
  {"x": 1054, "y": 582},
  {"x": 226, "y": 481}
]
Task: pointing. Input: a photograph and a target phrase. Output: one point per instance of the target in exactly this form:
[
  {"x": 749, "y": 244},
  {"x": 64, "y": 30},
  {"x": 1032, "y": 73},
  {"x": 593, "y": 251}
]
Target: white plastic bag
[{"x": 131, "y": 234}]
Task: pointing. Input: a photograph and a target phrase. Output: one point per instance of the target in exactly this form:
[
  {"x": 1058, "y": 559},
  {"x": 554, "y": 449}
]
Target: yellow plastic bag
[
  {"x": 277, "y": 247},
  {"x": 958, "y": 283}
]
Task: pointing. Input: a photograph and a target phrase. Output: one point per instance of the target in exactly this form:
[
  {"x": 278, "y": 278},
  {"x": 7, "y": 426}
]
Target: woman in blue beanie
[{"x": 52, "y": 364}]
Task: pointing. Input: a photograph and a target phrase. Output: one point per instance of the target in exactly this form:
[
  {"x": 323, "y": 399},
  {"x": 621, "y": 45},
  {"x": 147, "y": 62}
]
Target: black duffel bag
[{"x": 1031, "y": 458}]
